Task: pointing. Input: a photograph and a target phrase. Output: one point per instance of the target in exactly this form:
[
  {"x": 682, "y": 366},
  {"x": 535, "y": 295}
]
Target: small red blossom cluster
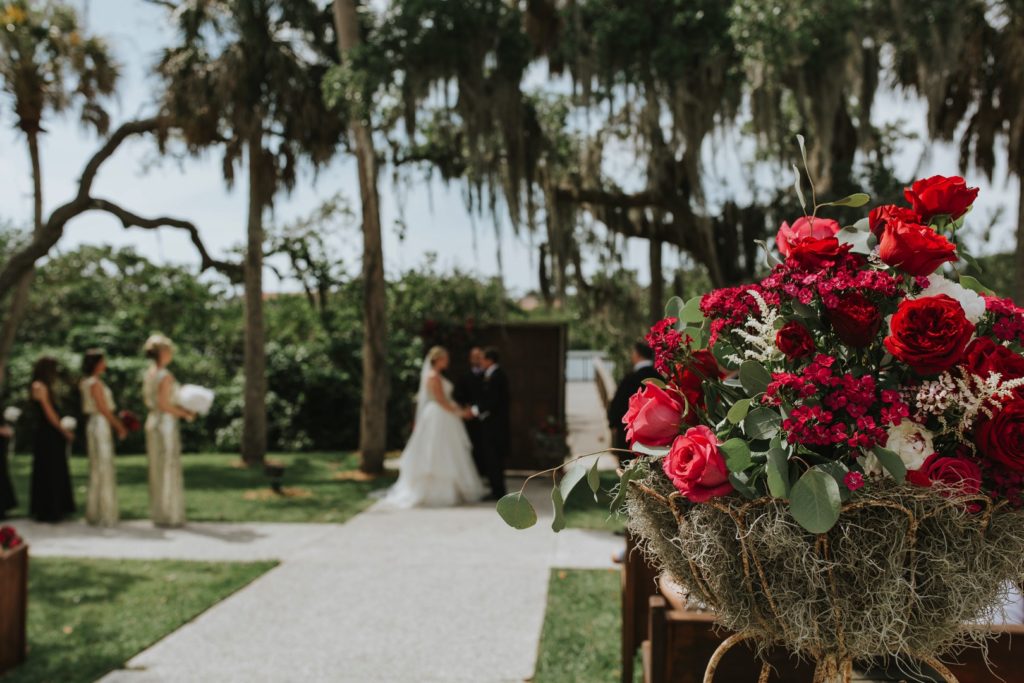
[
  {"x": 1008, "y": 319},
  {"x": 829, "y": 409},
  {"x": 665, "y": 340},
  {"x": 9, "y": 538}
]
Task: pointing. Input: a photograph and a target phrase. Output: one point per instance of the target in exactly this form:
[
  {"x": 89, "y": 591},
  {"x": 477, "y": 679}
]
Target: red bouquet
[
  {"x": 9, "y": 538},
  {"x": 130, "y": 421}
]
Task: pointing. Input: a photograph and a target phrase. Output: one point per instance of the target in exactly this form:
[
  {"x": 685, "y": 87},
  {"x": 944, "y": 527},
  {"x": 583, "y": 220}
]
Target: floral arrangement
[
  {"x": 130, "y": 420},
  {"x": 9, "y": 538},
  {"x": 834, "y": 460},
  {"x": 12, "y": 414},
  {"x": 855, "y": 359}
]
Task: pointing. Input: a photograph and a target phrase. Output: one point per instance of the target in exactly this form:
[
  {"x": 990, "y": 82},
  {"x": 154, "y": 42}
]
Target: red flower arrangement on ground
[
  {"x": 856, "y": 356},
  {"x": 9, "y": 538}
]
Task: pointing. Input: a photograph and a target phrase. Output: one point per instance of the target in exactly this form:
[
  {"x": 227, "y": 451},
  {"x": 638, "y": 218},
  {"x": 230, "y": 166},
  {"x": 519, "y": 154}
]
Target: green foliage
[
  {"x": 114, "y": 299},
  {"x": 88, "y": 617}
]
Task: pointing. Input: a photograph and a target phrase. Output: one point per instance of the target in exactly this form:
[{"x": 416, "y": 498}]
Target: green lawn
[
  {"x": 582, "y": 627},
  {"x": 88, "y": 617},
  {"x": 216, "y": 490},
  {"x": 581, "y": 512}
]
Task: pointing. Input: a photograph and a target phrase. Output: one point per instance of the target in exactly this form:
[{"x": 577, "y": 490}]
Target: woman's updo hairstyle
[
  {"x": 155, "y": 345},
  {"x": 436, "y": 352}
]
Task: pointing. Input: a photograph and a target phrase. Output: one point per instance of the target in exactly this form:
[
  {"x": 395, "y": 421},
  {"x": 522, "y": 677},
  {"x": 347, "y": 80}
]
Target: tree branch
[
  {"x": 128, "y": 219},
  {"x": 24, "y": 259}
]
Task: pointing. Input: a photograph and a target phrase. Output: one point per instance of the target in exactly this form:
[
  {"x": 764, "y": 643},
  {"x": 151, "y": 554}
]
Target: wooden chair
[{"x": 639, "y": 584}]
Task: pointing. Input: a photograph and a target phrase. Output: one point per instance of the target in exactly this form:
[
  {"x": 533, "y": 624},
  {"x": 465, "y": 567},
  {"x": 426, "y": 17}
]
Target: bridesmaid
[
  {"x": 98, "y": 406},
  {"x": 51, "y": 498},
  {"x": 163, "y": 435}
]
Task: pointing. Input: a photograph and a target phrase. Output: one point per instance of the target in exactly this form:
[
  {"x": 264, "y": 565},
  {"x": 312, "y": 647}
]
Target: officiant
[{"x": 468, "y": 391}]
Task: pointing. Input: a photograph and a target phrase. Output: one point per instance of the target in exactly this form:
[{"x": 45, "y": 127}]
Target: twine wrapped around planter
[{"x": 900, "y": 574}]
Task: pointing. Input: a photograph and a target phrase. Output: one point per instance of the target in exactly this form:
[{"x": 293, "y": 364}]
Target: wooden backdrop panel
[{"x": 533, "y": 357}]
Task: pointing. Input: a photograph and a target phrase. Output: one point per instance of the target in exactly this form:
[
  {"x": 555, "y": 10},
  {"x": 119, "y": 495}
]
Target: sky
[{"x": 435, "y": 216}]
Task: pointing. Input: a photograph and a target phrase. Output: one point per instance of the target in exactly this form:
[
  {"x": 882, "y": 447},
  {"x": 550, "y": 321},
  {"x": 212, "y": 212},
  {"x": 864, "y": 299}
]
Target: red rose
[
  {"x": 654, "y": 416},
  {"x": 929, "y": 334},
  {"x": 794, "y": 340},
  {"x": 983, "y": 357},
  {"x": 939, "y": 195},
  {"x": 855, "y": 319},
  {"x": 696, "y": 466},
  {"x": 689, "y": 381},
  {"x": 810, "y": 253},
  {"x": 914, "y": 249},
  {"x": 805, "y": 226},
  {"x": 881, "y": 215},
  {"x": 1001, "y": 437},
  {"x": 959, "y": 473}
]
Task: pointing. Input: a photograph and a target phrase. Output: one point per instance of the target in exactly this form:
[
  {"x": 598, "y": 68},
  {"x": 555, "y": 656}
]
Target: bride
[{"x": 436, "y": 468}]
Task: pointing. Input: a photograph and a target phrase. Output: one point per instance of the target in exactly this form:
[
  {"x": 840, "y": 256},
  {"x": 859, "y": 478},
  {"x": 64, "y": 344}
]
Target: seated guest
[{"x": 642, "y": 358}]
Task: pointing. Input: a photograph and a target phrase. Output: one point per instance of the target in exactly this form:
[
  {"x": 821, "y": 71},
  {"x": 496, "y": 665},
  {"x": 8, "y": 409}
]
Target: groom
[{"x": 491, "y": 411}]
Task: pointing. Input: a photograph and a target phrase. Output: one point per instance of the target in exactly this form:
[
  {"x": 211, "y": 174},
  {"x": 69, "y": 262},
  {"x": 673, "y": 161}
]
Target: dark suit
[
  {"x": 619, "y": 404},
  {"x": 468, "y": 392},
  {"x": 494, "y": 428}
]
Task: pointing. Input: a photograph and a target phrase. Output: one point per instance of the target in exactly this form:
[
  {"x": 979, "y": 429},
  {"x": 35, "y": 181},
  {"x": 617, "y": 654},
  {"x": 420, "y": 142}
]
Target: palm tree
[
  {"x": 373, "y": 413},
  {"x": 47, "y": 65},
  {"x": 245, "y": 77}
]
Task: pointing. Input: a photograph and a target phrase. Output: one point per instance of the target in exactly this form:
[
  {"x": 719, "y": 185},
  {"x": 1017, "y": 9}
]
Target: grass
[
  {"x": 582, "y": 512},
  {"x": 215, "y": 489},
  {"x": 580, "y": 641},
  {"x": 89, "y": 617}
]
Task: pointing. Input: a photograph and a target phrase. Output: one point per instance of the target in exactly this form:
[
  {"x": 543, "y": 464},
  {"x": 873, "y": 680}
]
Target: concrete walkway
[{"x": 425, "y": 595}]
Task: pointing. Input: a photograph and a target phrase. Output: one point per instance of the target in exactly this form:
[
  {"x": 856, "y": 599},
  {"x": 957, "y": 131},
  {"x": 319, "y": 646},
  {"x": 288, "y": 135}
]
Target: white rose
[
  {"x": 909, "y": 440},
  {"x": 69, "y": 423},
  {"x": 11, "y": 414},
  {"x": 971, "y": 302}
]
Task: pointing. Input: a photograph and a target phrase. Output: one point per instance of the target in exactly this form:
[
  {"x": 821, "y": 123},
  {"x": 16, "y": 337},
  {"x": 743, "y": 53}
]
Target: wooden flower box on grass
[{"x": 13, "y": 603}]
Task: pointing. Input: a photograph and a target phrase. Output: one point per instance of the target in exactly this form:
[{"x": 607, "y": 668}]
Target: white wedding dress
[{"x": 436, "y": 467}]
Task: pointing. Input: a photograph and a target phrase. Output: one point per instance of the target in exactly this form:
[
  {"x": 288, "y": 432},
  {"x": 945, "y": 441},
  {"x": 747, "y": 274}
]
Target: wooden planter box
[{"x": 13, "y": 603}]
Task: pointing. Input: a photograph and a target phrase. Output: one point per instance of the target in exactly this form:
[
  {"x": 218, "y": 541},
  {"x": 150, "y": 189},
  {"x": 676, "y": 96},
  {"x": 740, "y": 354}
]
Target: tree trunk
[
  {"x": 373, "y": 415},
  {"x": 254, "y": 426},
  {"x": 19, "y": 297},
  {"x": 1018, "y": 261},
  {"x": 657, "y": 289}
]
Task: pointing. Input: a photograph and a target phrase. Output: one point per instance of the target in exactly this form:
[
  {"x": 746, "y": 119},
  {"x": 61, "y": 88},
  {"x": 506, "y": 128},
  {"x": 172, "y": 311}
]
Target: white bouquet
[
  {"x": 195, "y": 398},
  {"x": 69, "y": 423},
  {"x": 11, "y": 414}
]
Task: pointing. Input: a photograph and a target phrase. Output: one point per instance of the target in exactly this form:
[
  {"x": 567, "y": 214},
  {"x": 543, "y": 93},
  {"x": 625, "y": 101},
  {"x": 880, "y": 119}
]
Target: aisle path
[{"x": 414, "y": 596}]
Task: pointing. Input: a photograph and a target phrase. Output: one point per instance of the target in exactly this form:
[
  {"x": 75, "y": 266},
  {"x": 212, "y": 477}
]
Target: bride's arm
[{"x": 434, "y": 384}]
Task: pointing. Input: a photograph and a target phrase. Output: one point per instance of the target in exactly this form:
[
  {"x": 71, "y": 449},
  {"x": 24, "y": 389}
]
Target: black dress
[
  {"x": 8, "y": 501},
  {"x": 51, "y": 497}
]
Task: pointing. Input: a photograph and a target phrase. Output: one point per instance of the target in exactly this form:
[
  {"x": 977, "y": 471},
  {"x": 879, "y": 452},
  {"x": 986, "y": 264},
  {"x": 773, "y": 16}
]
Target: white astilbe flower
[
  {"x": 758, "y": 333},
  {"x": 958, "y": 400}
]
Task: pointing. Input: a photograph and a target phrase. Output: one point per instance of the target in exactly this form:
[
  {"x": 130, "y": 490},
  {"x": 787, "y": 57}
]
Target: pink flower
[
  {"x": 853, "y": 480},
  {"x": 805, "y": 226},
  {"x": 696, "y": 466},
  {"x": 654, "y": 416}
]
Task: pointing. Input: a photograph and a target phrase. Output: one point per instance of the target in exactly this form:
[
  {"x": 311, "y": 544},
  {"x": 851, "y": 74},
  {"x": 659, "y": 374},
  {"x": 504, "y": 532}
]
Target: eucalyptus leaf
[
  {"x": 861, "y": 242},
  {"x": 778, "y": 472},
  {"x": 627, "y": 476},
  {"x": 837, "y": 471},
  {"x": 516, "y": 511},
  {"x": 862, "y": 225},
  {"x": 570, "y": 479},
  {"x": 738, "y": 411},
  {"x": 815, "y": 502},
  {"x": 892, "y": 463},
  {"x": 737, "y": 454},
  {"x": 799, "y": 191},
  {"x": 558, "y": 506},
  {"x": 855, "y": 200},
  {"x": 594, "y": 478},
  {"x": 762, "y": 423},
  {"x": 972, "y": 283},
  {"x": 754, "y": 377},
  {"x": 721, "y": 351},
  {"x": 690, "y": 312},
  {"x": 971, "y": 261},
  {"x": 741, "y": 483},
  {"x": 674, "y": 307}
]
